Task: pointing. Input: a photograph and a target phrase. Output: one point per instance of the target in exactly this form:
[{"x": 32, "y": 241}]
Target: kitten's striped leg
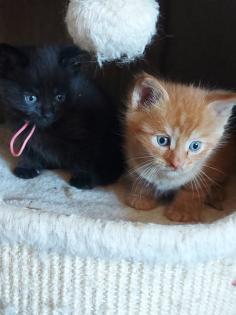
[
  {"x": 187, "y": 206},
  {"x": 140, "y": 196}
]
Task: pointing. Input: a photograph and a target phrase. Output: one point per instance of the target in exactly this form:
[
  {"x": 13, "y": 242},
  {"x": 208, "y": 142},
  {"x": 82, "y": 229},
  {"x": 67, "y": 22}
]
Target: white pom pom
[{"x": 112, "y": 29}]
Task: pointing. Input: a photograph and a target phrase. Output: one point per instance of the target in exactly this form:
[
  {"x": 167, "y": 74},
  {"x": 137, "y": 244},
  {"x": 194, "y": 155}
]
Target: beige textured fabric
[
  {"x": 68, "y": 252},
  {"x": 66, "y": 285}
]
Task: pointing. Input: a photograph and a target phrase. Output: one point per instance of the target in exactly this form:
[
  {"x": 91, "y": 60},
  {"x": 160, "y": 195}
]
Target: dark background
[
  {"x": 200, "y": 43},
  {"x": 32, "y": 21},
  {"x": 196, "y": 42}
]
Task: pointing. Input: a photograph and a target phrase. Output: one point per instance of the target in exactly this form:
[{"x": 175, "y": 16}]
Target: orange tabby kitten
[{"x": 176, "y": 141}]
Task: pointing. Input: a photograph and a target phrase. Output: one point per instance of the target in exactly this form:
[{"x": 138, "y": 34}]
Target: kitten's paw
[
  {"x": 81, "y": 182},
  {"x": 26, "y": 173},
  {"x": 141, "y": 203},
  {"x": 183, "y": 215}
]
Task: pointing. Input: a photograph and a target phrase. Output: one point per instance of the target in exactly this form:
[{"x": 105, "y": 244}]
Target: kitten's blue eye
[
  {"x": 30, "y": 99},
  {"x": 195, "y": 146},
  {"x": 60, "y": 98},
  {"x": 163, "y": 141}
]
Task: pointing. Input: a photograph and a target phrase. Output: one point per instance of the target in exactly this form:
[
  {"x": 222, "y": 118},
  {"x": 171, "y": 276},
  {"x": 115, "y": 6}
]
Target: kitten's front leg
[
  {"x": 27, "y": 167},
  {"x": 81, "y": 179},
  {"x": 216, "y": 196},
  {"x": 186, "y": 207},
  {"x": 140, "y": 196}
]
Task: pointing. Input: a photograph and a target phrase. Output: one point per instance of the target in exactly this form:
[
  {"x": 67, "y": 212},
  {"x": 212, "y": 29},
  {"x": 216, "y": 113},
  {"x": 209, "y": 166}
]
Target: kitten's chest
[
  {"x": 53, "y": 147},
  {"x": 172, "y": 181},
  {"x": 66, "y": 140},
  {"x": 165, "y": 183}
]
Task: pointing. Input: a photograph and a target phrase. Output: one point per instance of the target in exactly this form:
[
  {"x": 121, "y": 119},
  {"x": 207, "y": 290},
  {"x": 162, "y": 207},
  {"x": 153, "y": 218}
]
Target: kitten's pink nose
[{"x": 176, "y": 164}]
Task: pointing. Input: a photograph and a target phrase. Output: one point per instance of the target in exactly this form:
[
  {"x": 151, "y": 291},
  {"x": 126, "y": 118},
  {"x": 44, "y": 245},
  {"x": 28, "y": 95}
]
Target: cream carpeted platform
[{"x": 68, "y": 251}]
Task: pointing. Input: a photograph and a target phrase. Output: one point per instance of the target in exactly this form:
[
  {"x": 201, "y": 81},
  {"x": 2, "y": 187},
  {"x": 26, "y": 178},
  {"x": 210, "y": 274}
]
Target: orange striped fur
[{"x": 184, "y": 114}]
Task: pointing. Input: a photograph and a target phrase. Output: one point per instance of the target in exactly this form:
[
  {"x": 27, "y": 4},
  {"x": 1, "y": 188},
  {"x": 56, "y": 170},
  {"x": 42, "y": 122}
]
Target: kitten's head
[
  {"x": 35, "y": 82},
  {"x": 171, "y": 128}
]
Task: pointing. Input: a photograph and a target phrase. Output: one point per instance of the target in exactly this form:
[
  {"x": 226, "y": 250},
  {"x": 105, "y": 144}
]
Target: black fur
[{"x": 80, "y": 133}]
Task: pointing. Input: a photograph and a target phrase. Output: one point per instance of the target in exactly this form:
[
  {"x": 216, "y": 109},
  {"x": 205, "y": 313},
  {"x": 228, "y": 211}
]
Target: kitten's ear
[
  {"x": 147, "y": 92},
  {"x": 73, "y": 57},
  {"x": 11, "y": 57},
  {"x": 222, "y": 104}
]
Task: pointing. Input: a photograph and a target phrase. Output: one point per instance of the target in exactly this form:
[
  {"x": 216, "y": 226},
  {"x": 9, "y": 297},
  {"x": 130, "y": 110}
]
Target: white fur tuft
[{"x": 112, "y": 29}]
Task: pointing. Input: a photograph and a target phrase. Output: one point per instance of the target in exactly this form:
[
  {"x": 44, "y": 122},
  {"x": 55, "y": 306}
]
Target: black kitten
[{"x": 76, "y": 127}]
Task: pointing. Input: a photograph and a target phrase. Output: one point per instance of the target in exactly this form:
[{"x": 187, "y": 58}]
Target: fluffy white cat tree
[
  {"x": 112, "y": 29},
  {"x": 71, "y": 252}
]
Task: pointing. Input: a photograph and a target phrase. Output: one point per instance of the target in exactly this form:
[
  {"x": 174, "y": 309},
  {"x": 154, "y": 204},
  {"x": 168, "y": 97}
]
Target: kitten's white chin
[
  {"x": 174, "y": 173},
  {"x": 166, "y": 178},
  {"x": 174, "y": 179}
]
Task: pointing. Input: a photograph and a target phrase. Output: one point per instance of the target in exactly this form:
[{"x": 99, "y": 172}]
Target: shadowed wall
[
  {"x": 32, "y": 21},
  {"x": 197, "y": 40}
]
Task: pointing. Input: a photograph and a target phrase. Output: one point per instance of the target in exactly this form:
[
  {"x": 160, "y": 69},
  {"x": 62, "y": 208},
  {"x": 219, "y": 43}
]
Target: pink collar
[{"x": 15, "y": 136}]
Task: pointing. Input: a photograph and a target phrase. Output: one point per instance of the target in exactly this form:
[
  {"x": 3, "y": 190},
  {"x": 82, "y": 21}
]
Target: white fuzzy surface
[
  {"x": 48, "y": 214},
  {"x": 112, "y": 29}
]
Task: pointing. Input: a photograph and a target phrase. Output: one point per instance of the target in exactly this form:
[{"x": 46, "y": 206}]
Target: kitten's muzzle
[
  {"x": 47, "y": 115},
  {"x": 176, "y": 165},
  {"x": 43, "y": 120}
]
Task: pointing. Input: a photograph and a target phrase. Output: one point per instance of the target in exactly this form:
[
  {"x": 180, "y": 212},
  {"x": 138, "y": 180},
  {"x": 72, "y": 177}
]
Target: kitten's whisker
[
  {"x": 145, "y": 156},
  {"x": 140, "y": 168},
  {"x": 210, "y": 179},
  {"x": 144, "y": 174},
  {"x": 192, "y": 188},
  {"x": 199, "y": 187},
  {"x": 141, "y": 165},
  {"x": 202, "y": 183},
  {"x": 136, "y": 183},
  {"x": 136, "y": 169},
  {"x": 214, "y": 168},
  {"x": 196, "y": 187}
]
